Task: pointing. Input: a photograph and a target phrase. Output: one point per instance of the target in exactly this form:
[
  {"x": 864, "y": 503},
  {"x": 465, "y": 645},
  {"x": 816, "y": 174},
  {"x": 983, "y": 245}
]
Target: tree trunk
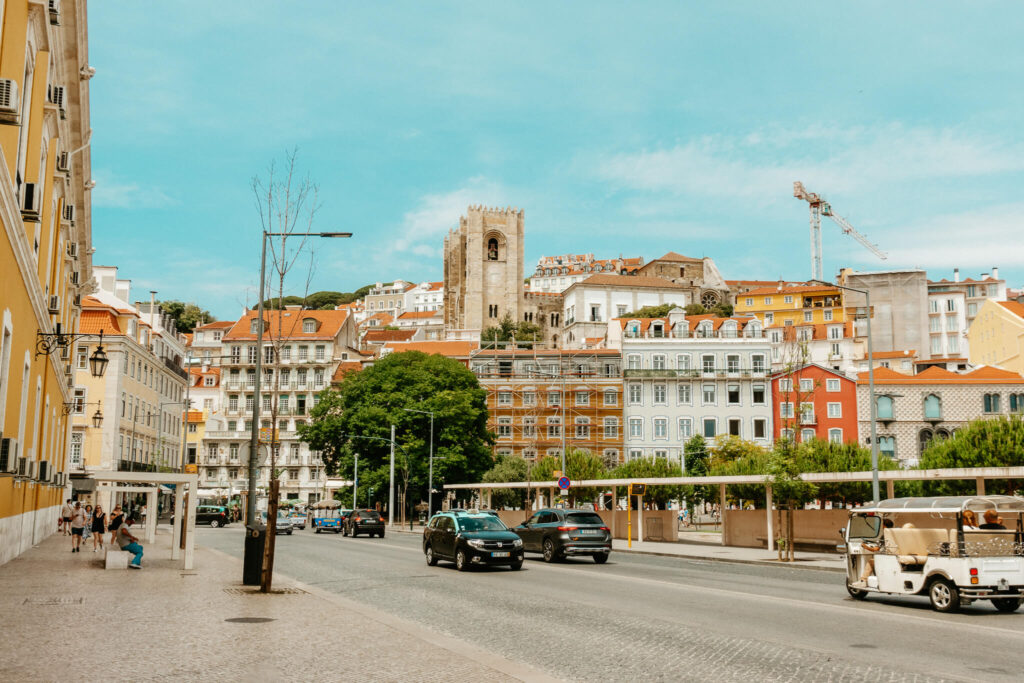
[
  {"x": 268, "y": 546},
  {"x": 780, "y": 533},
  {"x": 792, "y": 536}
]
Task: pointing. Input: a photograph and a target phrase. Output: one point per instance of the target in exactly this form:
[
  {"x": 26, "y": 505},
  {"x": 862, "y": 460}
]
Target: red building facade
[{"x": 814, "y": 402}]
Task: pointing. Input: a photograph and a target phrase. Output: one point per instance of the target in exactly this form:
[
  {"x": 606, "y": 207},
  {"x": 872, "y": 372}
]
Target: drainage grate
[
  {"x": 256, "y": 591},
  {"x": 59, "y": 600},
  {"x": 249, "y": 620}
]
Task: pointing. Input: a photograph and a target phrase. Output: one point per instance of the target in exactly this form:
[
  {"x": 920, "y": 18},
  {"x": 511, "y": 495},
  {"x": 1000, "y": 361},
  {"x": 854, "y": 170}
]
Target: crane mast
[{"x": 819, "y": 207}]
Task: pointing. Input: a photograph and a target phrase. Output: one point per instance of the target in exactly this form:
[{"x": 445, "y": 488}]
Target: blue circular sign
[{"x": 563, "y": 483}]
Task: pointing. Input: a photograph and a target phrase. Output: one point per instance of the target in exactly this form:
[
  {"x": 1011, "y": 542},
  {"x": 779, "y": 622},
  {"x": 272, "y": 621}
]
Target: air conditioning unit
[
  {"x": 74, "y": 277},
  {"x": 69, "y": 213},
  {"x": 8, "y": 96},
  {"x": 54, "y": 304},
  {"x": 58, "y": 98},
  {"x": 25, "y": 467},
  {"x": 78, "y": 300},
  {"x": 63, "y": 159},
  {"x": 44, "y": 471},
  {"x": 8, "y": 455},
  {"x": 30, "y": 205},
  {"x": 73, "y": 249},
  {"x": 55, "y": 12}
]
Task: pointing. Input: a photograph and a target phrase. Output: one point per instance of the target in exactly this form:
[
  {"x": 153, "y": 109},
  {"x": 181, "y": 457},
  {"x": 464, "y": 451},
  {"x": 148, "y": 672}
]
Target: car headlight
[
  {"x": 476, "y": 542},
  {"x": 518, "y": 543}
]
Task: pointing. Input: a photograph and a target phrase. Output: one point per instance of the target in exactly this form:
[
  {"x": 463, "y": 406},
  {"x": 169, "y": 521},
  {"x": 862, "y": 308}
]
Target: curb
[{"x": 732, "y": 560}]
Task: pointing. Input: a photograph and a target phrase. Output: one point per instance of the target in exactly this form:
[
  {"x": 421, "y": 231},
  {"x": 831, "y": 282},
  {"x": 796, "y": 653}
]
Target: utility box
[{"x": 252, "y": 564}]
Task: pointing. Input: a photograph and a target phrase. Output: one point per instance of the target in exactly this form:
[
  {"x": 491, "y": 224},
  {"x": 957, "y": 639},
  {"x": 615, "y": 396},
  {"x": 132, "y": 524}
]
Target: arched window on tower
[{"x": 492, "y": 249}]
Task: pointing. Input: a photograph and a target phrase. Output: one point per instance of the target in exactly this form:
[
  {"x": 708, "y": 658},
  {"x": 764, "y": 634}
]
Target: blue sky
[{"x": 620, "y": 128}]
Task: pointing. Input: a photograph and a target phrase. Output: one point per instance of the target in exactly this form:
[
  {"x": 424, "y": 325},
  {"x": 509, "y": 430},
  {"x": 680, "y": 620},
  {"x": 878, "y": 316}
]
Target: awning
[
  {"x": 82, "y": 484},
  {"x": 167, "y": 488}
]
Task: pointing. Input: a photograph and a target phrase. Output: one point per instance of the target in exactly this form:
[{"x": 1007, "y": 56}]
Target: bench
[
  {"x": 988, "y": 543},
  {"x": 116, "y": 559},
  {"x": 912, "y": 546}
]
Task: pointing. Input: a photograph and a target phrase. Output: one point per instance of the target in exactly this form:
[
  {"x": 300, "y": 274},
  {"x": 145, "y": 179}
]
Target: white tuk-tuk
[{"x": 917, "y": 546}]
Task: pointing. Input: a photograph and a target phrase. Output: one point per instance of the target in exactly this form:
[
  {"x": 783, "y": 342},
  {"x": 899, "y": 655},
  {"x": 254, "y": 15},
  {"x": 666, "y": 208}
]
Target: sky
[{"x": 626, "y": 129}]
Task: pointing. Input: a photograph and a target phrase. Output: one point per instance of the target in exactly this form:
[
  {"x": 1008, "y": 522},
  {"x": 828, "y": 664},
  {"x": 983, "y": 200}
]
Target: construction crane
[{"x": 819, "y": 208}]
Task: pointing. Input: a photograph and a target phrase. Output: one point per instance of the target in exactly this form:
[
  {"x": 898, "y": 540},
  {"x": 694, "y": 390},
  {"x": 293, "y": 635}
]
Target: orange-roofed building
[
  {"x": 554, "y": 274},
  {"x": 426, "y": 296},
  {"x": 431, "y": 322},
  {"x": 933, "y": 404},
  {"x": 815, "y": 402},
  {"x": 997, "y": 335},
  {"x": 458, "y": 350},
  {"x": 206, "y": 342}
]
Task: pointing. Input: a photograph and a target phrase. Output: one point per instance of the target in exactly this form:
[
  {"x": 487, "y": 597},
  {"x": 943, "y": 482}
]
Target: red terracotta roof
[
  {"x": 630, "y": 281},
  {"x": 381, "y": 336},
  {"x": 452, "y": 349},
  {"x": 673, "y": 256},
  {"x": 290, "y": 323},
  {"x": 1013, "y": 307},
  {"x": 434, "y": 286},
  {"x": 383, "y": 317},
  {"x": 420, "y": 315},
  {"x": 549, "y": 354},
  {"x": 344, "y": 368},
  {"x": 195, "y": 416},
  {"x": 217, "y": 325},
  {"x": 94, "y": 322},
  {"x": 797, "y": 289},
  {"x": 937, "y": 375}
]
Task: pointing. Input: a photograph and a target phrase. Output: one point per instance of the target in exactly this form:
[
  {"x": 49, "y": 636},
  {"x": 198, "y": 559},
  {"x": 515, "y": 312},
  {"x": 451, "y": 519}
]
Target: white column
[
  {"x": 179, "y": 491},
  {"x": 639, "y": 518},
  {"x": 769, "y": 511},
  {"x": 151, "y": 497},
  {"x": 190, "y": 520}
]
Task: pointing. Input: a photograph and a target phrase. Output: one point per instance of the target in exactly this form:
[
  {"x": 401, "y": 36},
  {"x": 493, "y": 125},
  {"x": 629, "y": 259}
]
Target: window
[
  {"x": 832, "y": 385},
  {"x": 932, "y": 407},
  {"x": 769, "y": 318},
  {"x": 786, "y": 410},
  {"x": 192, "y": 428},
  {"x": 807, "y": 413},
  {"x": 806, "y": 385},
  {"x": 786, "y": 384},
  {"x": 788, "y": 299},
  {"x": 767, "y": 301},
  {"x": 951, "y": 305},
  {"x": 828, "y": 315},
  {"x": 209, "y": 381},
  {"x": 583, "y": 398},
  {"x": 991, "y": 403},
  {"x": 1017, "y": 403},
  {"x": 732, "y": 363},
  {"x": 733, "y": 394},
  {"x": 636, "y": 428},
  {"x": 808, "y": 316},
  {"x": 749, "y": 302},
  {"x": 710, "y": 427},
  {"x": 635, "y": 454},
  {"x": 79, "y": 401},
  {"x": 734, "y": 426},
  {"x": 758, "y": 395},
  {"x": 683, "y": 394},
  {"x": 952, "y": 344},
  {"x": 318, "y": 351},
  {"x": 633, "y": 362},
  {"x": 972, "y": 310},
  {"x": 887, "y": 446},
  {"x": 884, "y": 408},
  {"x": 786, "y": 434},
  {"x": 835, "y": 332},
  {"x": 760, "y": 428},
  {"x": 251, "y": 353},
  {"x": 708, "y": 391},
  {"x": 835, "y": 410},
  {"x": 582, "y": 427},
  {"x": 660, "y": 428},
  {"x": 835, "y": 435},
  {"x": 685, "y": 428},
  {"x": 658, "y": 362},
  {"x": 554, "y": 427},
  {"x": 504, "y": 398},
  {"x": 611, "y": 398},
  {"x": 951, "y": 325},
  {"x": 308, "y": 326},
  {"x": 529, "y": 398},
  {"x": 933, "y": 305},
  {"x": 707, "y": 363},
  {"x": 82, "y": 361},
  {"x": 529, "y": 427},
  {"x": 504, "y": 427},
  {"x": 683, "y": 361},
  {"x": 635, "y": 394},
  {"x": 935, "y": 324},
  {"x": 807, "y": 434},
  {"x": 554, "y": 398},
  {"x": 611, "y": 428},
  {"x": 757, "y": 363},
  {"x": 660, "y": 395}
]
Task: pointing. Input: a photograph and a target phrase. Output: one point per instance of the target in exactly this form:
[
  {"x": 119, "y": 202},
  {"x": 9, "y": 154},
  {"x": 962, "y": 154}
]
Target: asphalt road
[{"x": 656, "y": 618}]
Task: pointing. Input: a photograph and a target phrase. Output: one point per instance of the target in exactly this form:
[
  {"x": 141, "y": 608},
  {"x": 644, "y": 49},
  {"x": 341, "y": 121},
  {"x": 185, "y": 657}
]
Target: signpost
[{"x": 563, "y": 483}]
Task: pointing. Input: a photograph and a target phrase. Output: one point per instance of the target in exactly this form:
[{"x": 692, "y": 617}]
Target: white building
[
  {"x": 388, "y": 298},
  {"x": 431, "y": 322},
  {"x": 204, "y": 347},
  {"x": 691, "y": 375},
  {"x": 555, "y": 274},
  {"x": 590, "y": 304},
  {"x": 831, "y": 345},
  {"x": 426, "y": 296}
]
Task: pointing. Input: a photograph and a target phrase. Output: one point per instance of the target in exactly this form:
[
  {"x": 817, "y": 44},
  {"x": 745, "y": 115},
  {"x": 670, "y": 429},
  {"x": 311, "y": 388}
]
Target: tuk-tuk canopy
[
  {"x": 948, "y": 504},
  {"x": 329, "y": 504}
]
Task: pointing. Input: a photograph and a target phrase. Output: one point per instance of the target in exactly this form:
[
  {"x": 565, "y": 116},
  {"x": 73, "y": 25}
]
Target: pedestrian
[
  {"x": 129, "y": 543},
  {"x": 116, "y": 520},
  {"x": 99, "y": 527},
  {"x": 65, "y": 518},
  {"x": 77, "y": 526},
  {"x": 87, "y": 531}
]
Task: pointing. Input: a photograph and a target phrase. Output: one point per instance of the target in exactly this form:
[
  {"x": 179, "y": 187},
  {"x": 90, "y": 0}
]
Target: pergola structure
[
  {"x": 890, "y": 477},
  {"x": 149, "y": 483}
]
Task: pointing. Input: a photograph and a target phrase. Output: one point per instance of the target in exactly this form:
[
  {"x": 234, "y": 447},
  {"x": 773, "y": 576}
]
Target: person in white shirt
[
  {"x": 64, "y": 523},
  {"x": 77, "y": 527}
]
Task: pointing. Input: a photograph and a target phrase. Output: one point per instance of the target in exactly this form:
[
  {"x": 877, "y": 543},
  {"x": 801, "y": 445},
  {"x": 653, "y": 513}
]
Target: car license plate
[
  {"x": 590, "y": 532},
  {"x": 500, "y": 554}
]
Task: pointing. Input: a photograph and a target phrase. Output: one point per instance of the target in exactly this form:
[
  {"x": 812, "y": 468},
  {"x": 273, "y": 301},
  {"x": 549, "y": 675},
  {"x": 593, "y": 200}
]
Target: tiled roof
[
  {"x": 885, "y": 355},
  {"x": 217, "y": 325},
  {"x": 434, "y": 286},
  {"x": 290, "y": 321},
  {"x": 798, "y": 289},
  {"x": 679, "y": 258},
  {"x": 741, "y": 283},
  {"x": 188, "y": 338},
  {"x": 937, "y": 375},
  {"x": 1013, "y": 307},
  {"x": 344, "y": 368},
  {"x": 94, "y": 322},
  {"x": 452, "y": 349},
  {"x": 195, "y": 416},
  {"x": 548, "y": 354},
  {"x": 384, "y": 318},
  {"x": 420, "y": 315},
  {"x": 691, "y": 320},
  {"x": 631, "y": 281},
  {"x": 381, "y": 336}
]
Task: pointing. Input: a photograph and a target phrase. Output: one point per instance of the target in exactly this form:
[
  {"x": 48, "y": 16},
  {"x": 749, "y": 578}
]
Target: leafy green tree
[
  {"x": 997, "y": 442},
  {"x": 186, "y": 316},
  {"x": 659, "y": 311},
  {"x": 816, "y": 455},
  {"x": 697, "y": 463},
  {"x": 357, "y": 417},
  {"x": 643, "y": 468},
  {"x": 695, "y": 309},
  {"x": 734, "y": 456},
  {"x": 524, "y": 332},
  {"x": 789, "y": 492},
  {"x": 321, "y": 301},
  {"x": 507, "y": 469}
]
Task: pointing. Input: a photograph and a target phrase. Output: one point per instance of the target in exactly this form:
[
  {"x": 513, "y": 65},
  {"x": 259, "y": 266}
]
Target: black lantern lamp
[
  {"x": 97, "y": 418},
  {"x": 48, "y": 342}
]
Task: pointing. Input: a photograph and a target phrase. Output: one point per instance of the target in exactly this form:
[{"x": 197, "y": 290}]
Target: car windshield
[
  {"x": 583, "y": 518},
  {"x": 366, "y": 514},
  {"x": 481, "y": 523},
  {"x": 862, "y": 526}
]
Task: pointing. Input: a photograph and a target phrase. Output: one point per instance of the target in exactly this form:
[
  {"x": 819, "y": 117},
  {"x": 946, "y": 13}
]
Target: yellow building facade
[
  {"x": 793, "y": 305},
  {"x": 45, "y": 252},
  {"x": 996, "y": 337}
]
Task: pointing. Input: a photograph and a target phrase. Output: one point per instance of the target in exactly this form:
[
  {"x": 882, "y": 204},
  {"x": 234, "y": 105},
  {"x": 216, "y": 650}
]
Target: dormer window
[{"x": 309, "y": 326}]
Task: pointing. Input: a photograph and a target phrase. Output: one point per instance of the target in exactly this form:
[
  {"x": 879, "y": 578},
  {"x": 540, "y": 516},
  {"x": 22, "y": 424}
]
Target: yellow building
[
  {"x": 44, "y": 254},
  {"x": 194, "y": 439},
  {"x": 793, "y": 305},
  {"x": 996, "y": 337}
]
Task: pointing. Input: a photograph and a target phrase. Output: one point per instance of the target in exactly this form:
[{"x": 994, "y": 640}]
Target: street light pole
[
  {"x": 391, "y": 486},
  {"x": 188, "y": 404},
  {"x": 430, "y": 477},
  {"x": 355, "y": 483}
]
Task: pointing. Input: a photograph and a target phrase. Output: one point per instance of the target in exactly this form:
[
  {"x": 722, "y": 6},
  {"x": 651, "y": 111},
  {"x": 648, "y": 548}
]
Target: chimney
[
  {"x": 956, "y": 275},
  {"x": 995, "y": 272}
]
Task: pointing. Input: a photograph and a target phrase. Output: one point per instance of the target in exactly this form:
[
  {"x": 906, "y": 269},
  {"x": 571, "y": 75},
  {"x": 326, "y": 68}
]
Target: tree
[
  {"x": 659, "y": 311},
  {"x": 997, "y": 442},
  {"x": 789, "y": 492},
  {"x": 525, "y": 333},
  {"x": 816, "y": 455},
  {"x": 508, "y": 468},
  {"x": 649, "y": 468},
  {"x": 697, "y": 463},
  {"x": 186, "y": 316},
  {"x": 357, "y": 417},
  {"x": 320, "y": 301}
]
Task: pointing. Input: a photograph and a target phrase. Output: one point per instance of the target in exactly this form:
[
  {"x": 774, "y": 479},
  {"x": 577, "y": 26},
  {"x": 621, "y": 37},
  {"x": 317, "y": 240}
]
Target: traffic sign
[
  {"x": 638, "y": 489},
  {"x": 563, "y": 483}
]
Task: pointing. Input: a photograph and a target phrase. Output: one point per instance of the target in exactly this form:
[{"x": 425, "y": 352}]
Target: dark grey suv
[{"x": 564, "y": 533}]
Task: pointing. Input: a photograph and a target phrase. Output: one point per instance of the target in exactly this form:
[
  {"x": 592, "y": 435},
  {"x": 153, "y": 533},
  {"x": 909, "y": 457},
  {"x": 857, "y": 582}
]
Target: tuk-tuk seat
[
  {"x": 989, "y": 542},
  {"x": 912, "y": 546}
]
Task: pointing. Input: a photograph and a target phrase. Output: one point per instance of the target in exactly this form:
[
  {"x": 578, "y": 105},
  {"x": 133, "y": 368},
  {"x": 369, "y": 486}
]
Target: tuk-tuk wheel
[
  {"x": 856, "y": 593},
  {"x": 944, "y": 595},
  {"x": 1006, "y": 604},
  {"x": 318, "y": 529}
]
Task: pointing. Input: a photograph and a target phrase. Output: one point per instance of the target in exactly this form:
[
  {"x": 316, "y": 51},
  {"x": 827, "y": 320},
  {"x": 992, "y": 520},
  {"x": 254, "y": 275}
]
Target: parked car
[
  {"x": 559, "y": 533},
  {"x": 298, "y": 520},
  {"x": 364, "y": 522},
  {"x": 214, "y": 515},
  {"x": 284, "y": 523},
  {"x": 469, "y": 539}
]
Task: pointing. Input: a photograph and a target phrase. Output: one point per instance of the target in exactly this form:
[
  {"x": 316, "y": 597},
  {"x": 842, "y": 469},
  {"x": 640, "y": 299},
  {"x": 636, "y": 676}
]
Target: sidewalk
[{"x": 67, "y": 618}]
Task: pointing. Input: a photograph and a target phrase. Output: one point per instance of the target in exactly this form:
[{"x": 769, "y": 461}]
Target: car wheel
[
  {"x": 549, "y": 550},
  {"x": 944, "y": 596},
  {"x": 516, "y": 566},
  {"x": 318, "y": 529},
  {"x": 461, "y": 561},
  {"x": 381, "y": 534},
  {"x": 214, "y": 523},
  {"x": 601, "y": 558},
  {"x": 856, "y": 593},
  {"x": 1006, "y": 604},
  {"x": 431, "y": 560},
  {"x": 289, "y": 532}
]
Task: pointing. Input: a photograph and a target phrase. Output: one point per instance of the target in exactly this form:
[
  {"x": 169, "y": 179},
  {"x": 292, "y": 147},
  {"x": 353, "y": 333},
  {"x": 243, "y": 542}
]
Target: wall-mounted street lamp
[
  {"x": 48, "y": 342},
  {"x": 97, "y": 417}
]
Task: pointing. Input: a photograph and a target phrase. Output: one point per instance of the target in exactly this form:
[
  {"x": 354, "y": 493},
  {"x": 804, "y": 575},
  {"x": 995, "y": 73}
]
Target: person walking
[
  {"x": 116, "y": 520},
  {"x": 129, "y": 543},
  {"x": 87, "y": 531},
  {"x": 64, "y": 523},
  {"x": 99, "y": 527},
  {"x": 77, "y": 526}
]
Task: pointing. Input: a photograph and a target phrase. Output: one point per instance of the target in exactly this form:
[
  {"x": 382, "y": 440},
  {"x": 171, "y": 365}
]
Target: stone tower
[{"x": 483, "y": 271}]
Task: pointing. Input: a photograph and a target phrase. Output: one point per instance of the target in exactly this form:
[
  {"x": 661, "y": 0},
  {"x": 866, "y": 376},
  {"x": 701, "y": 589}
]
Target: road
[{"x": 658, "y": 618}]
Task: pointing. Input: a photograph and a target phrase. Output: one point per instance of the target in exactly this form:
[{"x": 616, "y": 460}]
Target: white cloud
[
  {"x": 111, "y": 194},
  {"x": 978, "y": 240},
  {"x": 424, "y": 227}
]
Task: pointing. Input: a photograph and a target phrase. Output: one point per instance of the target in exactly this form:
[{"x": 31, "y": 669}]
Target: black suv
[
  {"x": 560, "y": 533},
  {"x": 364, "y": 522},
  {"x": 471, "y": 538},
  {"x": 214, "y": 515}
]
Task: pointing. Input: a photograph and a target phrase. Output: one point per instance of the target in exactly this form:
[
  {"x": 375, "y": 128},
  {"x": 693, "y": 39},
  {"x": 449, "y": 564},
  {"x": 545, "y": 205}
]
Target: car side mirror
[{"x": 842, "y": 534}]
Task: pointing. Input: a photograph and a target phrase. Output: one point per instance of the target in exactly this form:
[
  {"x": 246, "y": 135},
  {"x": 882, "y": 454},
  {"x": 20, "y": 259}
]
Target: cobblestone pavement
[
  {"x": 660, "y": 618},
  {"x": 66, "y": 618}
]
